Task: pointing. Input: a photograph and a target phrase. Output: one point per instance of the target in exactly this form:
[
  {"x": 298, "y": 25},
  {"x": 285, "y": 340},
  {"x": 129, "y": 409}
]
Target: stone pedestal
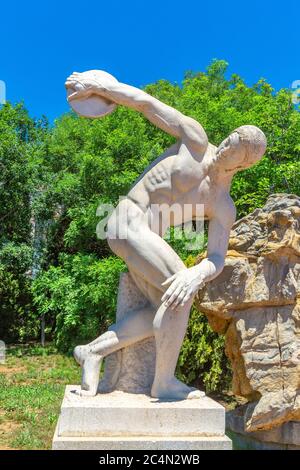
[
  {"x": 123, "y": 421},
  {"x": 123, "y": 416}
]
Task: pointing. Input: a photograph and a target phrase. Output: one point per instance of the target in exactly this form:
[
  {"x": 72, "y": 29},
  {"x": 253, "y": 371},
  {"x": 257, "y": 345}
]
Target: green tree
[{"x": 20, "y": 146}]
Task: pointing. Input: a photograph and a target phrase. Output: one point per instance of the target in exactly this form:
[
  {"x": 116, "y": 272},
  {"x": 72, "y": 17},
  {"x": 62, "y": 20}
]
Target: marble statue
[{"x": 190, "y": 172}]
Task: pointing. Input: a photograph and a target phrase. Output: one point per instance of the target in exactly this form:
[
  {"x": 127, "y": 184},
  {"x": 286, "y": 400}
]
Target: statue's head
[{"x": 243, "y": 148}]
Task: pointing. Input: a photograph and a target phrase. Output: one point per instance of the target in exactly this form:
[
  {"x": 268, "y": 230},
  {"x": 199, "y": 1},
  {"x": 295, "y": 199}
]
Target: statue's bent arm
[
  {"x": 218, "y": 237},
  {"x": 190, "y": 280}
]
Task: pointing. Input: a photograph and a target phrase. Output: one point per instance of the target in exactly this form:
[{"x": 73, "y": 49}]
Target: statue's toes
[{"x": 84, "y": 393}]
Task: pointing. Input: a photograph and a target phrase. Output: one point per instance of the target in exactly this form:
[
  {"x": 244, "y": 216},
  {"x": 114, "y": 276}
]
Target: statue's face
[{"x": 232, "y": 154}]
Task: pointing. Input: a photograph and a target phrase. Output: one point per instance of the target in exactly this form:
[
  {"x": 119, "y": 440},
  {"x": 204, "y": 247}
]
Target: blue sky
[{"x": 140, "y": 42}]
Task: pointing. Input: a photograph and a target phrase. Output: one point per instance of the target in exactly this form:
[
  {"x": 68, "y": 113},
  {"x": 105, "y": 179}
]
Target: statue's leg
[
  {"x": 169, "y": 327},
  {"x": 135, "y": 326},
  {"x": 151, "y": 261}
]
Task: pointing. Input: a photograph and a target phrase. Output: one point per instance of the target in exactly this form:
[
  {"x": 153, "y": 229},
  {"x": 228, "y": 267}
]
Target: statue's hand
[
  {"x": 83, "y": 85},
  {"x": 184, "y": 285}
]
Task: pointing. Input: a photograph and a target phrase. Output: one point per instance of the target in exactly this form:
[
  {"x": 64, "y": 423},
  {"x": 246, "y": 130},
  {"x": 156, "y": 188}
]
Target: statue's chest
[{"x": 187, "y": 174}]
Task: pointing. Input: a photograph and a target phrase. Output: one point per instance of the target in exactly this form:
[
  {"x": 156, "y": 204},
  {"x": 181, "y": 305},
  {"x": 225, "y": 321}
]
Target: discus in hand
[{"x": 94, "y": 105}]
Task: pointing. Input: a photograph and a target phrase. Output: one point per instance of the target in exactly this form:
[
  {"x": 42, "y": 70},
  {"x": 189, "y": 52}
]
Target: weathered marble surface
[
  {"x": 255, "y": 302},
  {"x": 130, "y": 369}
]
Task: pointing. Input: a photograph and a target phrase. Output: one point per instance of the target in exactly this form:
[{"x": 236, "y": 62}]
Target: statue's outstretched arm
[{"x": 163, "y": 116}]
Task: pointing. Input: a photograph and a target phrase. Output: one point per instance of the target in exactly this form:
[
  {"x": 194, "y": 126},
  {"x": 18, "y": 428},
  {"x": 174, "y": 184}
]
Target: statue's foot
[
  {"x": 175, "y": 390},
  {"x": 91, "y": 364},
  {"x": 80, "y": 353}
]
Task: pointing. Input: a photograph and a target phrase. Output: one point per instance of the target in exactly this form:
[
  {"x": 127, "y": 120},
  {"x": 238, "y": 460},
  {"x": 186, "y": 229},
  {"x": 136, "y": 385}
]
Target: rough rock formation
[{"x": 255, "y": 302}]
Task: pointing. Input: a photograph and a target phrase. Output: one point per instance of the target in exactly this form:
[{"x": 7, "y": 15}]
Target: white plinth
[{"x": 122, "y": 421}]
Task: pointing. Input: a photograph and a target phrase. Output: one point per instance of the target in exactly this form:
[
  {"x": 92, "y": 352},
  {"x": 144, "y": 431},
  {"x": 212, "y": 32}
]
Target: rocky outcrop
[{"x": 255, "y": 303}]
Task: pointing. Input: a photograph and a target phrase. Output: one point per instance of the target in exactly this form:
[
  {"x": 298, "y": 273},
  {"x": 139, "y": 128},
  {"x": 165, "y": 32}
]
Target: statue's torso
[{"x": 176, "y": 177}]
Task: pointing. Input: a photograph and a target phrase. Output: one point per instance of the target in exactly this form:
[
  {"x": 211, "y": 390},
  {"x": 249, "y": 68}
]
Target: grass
[{"x": 32, "y": 384}]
